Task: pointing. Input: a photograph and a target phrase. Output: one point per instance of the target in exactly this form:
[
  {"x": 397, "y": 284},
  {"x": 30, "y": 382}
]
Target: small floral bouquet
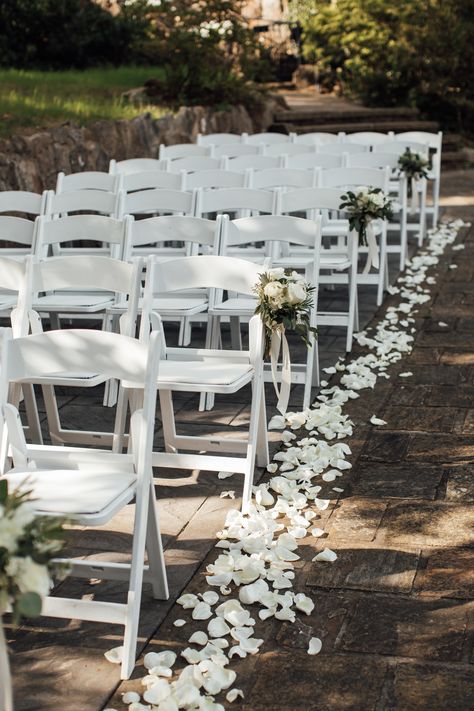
[
  {"x": 284, "y": 302},
  {"x": 363, "y": 206},
  {"x": 27, "y": 545},
  {"x": 414, "y": 165}
]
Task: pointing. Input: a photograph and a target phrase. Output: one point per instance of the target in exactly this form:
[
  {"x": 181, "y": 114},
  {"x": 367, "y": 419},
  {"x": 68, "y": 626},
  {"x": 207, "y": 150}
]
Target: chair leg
[
  {"x": 262, "y": 454},
  {"x": 255, "y": 414},
  {"x": 32, "y": 416},
  {"x": 52, "y": 414},
  {"x": 167, "y": 419},
  {"x": 235, "y": 334},
  {"x": 383, "y": 276},
  {"x": 353, "y": 311},
  {"x": 215, "y": 344},
  {"x": 120, "y": 418},
  {"x": 136, "y": 581},
  {"x": 154, "y": 548}
]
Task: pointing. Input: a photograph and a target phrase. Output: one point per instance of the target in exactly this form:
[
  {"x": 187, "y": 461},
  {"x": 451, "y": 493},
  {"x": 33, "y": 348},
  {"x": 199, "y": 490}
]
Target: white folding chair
[
  {"x": 342, "y": 147},
  {"x": 318, "y": 138},
  {"x": 195, "y": 235},
  {"x": 206, "y": 370},
  {"x": 254, "y": 162},
  {"x": 266, "y": 139},
  {"x": 62, "y": 235},
  {"x": 137, "y": 165},
  {"x": 434, "y": 141},
  {"x": 347, "y": 178},
  {"x": 282, "y": 178},
  {"x": 154, "y": 202},
  {"x": 151, "y": 179},
  {"x": 310, "y": 161},
  {"x": 13, "y": 303},
  {"x": 183, "y": 150},
  {"x": 108, "y": 278},
  {"x": 288, "y": 149},
  {"x": 397, "y": 148},
  {"x": 82, "y": 200},
  {"x": 88, "y": 180},
  {"x": 212, "y": 179},
  {"x": 397, "y": 188},
  {"x": 293, "y": 231},
  {"x": 89, "y": 486},
  {"x": 19, "y": 234},
  {"x": 22, "y": 201},
  {"x": 219, "y": 139},
  {"x": 339, "y": 260},
  {"x": 235, "y": 150},
  {"x": 366, "y": 138},
  {"x": 193, "y": 163},
  {"x": 234, "y": 200}
]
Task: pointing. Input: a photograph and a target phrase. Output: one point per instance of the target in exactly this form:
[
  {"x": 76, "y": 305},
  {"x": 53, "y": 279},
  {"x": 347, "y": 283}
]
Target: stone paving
[{"x": 395, "y": 611}]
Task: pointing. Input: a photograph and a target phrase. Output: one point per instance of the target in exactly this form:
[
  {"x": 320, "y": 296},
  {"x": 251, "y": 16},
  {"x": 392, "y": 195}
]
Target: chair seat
[
  {"x": 187, "y": 304},
  {"x": 82, "y": 380},
  {"x": 234, "y": 306},
  {"x": 186, "y": 375},
  {"x": 71, "y": 492},
  {"x": 72, "y": 302}
]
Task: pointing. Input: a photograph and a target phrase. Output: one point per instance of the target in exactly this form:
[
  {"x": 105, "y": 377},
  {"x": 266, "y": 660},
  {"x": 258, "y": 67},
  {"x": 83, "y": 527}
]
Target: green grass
[{"x": 31, "y": 99}]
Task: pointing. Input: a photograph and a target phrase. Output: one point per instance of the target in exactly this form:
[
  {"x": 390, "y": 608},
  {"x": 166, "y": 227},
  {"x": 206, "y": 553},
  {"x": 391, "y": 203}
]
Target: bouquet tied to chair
[
  {"x": 27, "y": 545},
  {"x": 363, "y": 206},
  {"x": 415, "y": 167},
  {"x": 285, "y": 300}
]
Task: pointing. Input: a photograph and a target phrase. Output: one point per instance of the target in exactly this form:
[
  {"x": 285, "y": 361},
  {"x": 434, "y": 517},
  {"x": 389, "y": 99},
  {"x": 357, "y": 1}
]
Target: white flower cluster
[
  {"x": 20, "y": 572},
  {"x": 284, "y": 289},
  {"x": 258, "y": 550},
  {"x": 222, "y": 28},
  {"x": 366, "y": 197}
]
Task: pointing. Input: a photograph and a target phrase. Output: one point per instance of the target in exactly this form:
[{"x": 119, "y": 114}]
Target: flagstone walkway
[{"x": 395, "y": 612}]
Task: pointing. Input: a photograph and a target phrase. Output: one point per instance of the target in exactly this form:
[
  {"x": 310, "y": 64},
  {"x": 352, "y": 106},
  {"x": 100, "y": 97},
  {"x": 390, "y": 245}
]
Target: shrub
[{"x": 61, "y": 34}]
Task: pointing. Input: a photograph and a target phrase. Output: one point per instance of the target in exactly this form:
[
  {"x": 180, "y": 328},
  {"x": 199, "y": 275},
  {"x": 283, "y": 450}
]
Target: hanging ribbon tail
[
  {"x": 279, "y": 342},
  {"x": 414, "y": 196},
  {"x": 373, "y": 253}
]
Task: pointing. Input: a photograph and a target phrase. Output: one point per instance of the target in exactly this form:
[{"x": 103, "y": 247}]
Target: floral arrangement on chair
[
  {"x": 285, "y": 300},
  {"x": 27, "y": 545},
  {"x": 415, "y": 167},
  {"x": 364, "y": 206}
]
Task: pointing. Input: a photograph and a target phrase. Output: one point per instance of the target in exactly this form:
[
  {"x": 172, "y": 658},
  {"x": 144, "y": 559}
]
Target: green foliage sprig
[
  {"x": 284, "y": 303},
  {"x": 363, "y": 206},
  {"x": 414, "y": 165},
  {"x": 27, "y": 545}
]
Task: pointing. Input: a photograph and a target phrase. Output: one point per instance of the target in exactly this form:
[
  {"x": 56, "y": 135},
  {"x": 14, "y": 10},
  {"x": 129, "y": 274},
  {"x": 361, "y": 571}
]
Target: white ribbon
[
  {"x": 279, "y": 342},
  {"x": 6, "y": 698},
  {"x": 414, "y": 196},
  {"x": 373, "y": 253}
]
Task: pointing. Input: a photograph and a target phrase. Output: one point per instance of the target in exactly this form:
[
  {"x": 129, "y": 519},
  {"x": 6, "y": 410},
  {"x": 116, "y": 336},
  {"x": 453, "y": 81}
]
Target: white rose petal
[
  {"x": 202, "y": 611},
  {"x": 374, "y": 420},
  {"x": 315, "y": 646},
  {"x": 114, "y": 655},
  {"x": 130, "y": 696},
  {"x": 325, "y": 556},
  {"x": 233, "y": 694},
  {"x": 225, "y": 475},
  {"x": 198, "y": 638}
]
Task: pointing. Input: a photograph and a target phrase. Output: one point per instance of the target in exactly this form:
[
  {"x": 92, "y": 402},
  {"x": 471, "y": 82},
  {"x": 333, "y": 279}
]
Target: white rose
[
  {"x": 29, "y": 576},
  {"x": 378, "y": 199},
  {"x": 362, "y": 190},
  {"x": 274, "y": 290},
  {"x": 13, "y": 525},
  {"x": 276, "y": 273},
  {"x": 296, "y": 293}
]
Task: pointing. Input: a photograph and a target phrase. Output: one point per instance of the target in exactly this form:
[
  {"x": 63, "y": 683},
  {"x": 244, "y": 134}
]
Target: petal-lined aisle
[{"x": 372, "y": 541}]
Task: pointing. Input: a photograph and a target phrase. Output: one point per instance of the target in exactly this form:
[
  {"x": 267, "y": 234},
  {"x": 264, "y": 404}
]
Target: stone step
[
  {"x": 452, "y": 160},
  {"x": 359, "y": 113},
  {"x": 351, "y": 127}
]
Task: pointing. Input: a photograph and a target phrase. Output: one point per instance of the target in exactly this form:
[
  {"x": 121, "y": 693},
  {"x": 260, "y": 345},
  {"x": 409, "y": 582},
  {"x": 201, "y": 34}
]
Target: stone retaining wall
[{"x": 31, "y": 162}]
